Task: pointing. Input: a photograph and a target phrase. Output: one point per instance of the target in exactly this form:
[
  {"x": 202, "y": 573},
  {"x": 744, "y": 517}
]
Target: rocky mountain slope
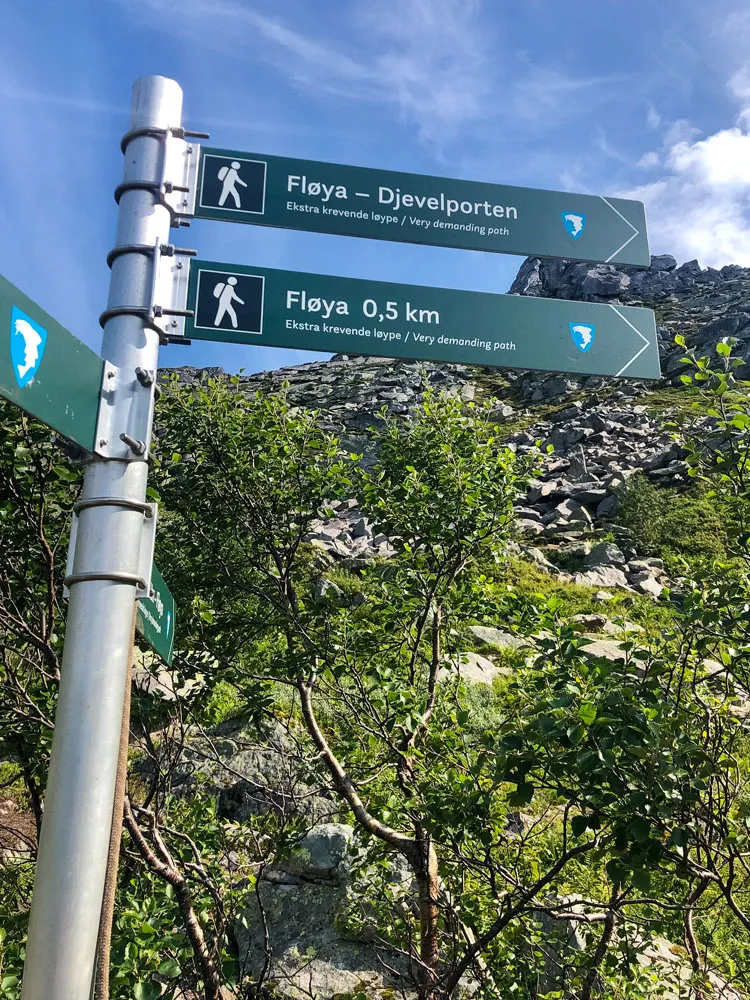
[{"x": 603, "y": 430}]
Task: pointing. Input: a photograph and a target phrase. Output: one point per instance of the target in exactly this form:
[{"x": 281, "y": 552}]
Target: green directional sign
[
  {"x": 45, "y": 370},
  {"x": 315, "y": 312},
  {"x": 155, "y": 617},
  {"x": 413, "y": 208}
]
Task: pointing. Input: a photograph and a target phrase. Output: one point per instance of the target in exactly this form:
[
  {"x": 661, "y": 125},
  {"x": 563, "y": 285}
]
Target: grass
[
  {"x": 683, "y": 528},
  {"x": 12, "y": 785}
]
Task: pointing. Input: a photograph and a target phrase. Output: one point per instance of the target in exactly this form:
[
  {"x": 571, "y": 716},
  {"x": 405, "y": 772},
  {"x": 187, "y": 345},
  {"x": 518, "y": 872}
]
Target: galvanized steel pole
[{"x": 72, "y": 860}]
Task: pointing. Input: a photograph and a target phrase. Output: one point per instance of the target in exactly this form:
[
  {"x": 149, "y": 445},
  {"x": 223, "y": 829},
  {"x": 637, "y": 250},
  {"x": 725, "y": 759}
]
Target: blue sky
[{"x": 624, "y": 98}]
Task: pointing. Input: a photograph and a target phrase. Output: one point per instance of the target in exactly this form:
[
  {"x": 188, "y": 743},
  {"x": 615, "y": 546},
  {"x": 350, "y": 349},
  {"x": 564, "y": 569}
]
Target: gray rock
[
  {"x": 251, "y": 775},
  {"x": 604, "y": 281},
  {"x": 360, "y": 528},
  {"x": 529, "y": 527},
  {"x": 472, "y": 667},
  {"x": 663, "y": 262},
  {"x": 604, "y": 554},
  {"x": 322, "y": 852},
  {"x": 602, "y": 576},
  {"x": 650, "y": 586},
  {"x": 327, "y": 590},
  {"x": 310, "y": 956},
  {"x": 607, "y": 507},
  {"x": 609, "y": 649},
  {"x": 495, "y": 637}
]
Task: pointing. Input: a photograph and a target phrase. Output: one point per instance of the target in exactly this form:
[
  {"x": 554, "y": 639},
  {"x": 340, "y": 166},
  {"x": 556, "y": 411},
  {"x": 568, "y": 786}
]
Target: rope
[{"x": 104, "y": 942}]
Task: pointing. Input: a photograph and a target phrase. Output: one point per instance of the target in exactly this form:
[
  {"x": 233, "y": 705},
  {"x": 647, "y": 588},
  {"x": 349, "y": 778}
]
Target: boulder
[
  {"x": 322, "y": 852},
  {"x": 327, "y": 590},
  {"x": 310, "y": 956},
  {"x": 602, "y": 576},
  {"x": 650, "y": 586},
  {"x": 604, "y": 554},
  {"x": 496, "y": 638},
  {"x": 604, "y": 281},
  {"x": 472, "y": 668}
]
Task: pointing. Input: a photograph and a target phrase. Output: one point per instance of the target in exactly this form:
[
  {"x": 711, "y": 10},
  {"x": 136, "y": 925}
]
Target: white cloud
[
  {"x": 649, "y": 161},
  {"x": 700, "y": 205},
  {"x": 653, "y": 118},
  {"x": 438, "y": 63},
  {"x": 545, "y": 94},
  {"x": 428, "y": 58}
]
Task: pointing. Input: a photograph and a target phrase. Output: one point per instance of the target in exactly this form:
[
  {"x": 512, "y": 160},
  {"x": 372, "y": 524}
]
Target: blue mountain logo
[
  {"x": 574, "y": 222},
  {"x": 583, "y": 335},
  {"x": 27, "y": 342}
]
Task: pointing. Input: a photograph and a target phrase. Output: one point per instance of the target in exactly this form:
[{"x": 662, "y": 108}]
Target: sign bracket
[
  {"x": 142, "y": 578},
  {"x": 168, "y": 281},
  {"x": 177, "y": 187},
  {"x": 126, "y": 410}
]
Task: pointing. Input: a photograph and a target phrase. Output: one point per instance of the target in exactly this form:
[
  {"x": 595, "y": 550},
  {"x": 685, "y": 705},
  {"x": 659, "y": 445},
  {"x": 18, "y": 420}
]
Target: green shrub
[{"x": 680, "y": 527}]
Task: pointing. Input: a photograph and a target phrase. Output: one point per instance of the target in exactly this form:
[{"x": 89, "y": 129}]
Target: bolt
[
  {"x": 189, "y": 149},
  {"x": 179, "y": 265},
  {"x": 184, "y": 202},
  {"x": 102, "y": 442},
  {"x": 137, "y": 447},
  {"x": 110, "y": 374},
  {"x": 174, "y": 323}
]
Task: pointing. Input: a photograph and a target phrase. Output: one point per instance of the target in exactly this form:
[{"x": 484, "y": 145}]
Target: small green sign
[
  {"x": 45, "y": 370},
  {"x": 155, "y": 618},
  {"x": 315, "y": 312},
  {"x": 414, "y": 208}
]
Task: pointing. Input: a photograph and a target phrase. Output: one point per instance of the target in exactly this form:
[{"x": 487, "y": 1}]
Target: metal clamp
[
  {"x": 126, "y": 410},
  {"x": 176, "y": 188},
  {"x": 140, "y": 580},
  {"x": 158, "y": 133},
  {"x": 167, "y": 321},
  {"x": 147, "y": 509}
]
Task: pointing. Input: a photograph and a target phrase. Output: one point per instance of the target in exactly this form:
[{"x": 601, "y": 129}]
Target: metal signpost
[
  {"x": 315, "y": 312},
  {"x": 107, "y": 573},
  {"x": 387, "y": 205}
]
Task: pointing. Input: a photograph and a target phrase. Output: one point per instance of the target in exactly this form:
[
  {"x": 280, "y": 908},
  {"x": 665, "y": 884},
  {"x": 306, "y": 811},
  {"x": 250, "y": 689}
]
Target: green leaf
[
  {"x": 640, "y": 829},
  {"x": 587, "y": 712},
  {"x": 579, "y": 825},
  {"x": 523, "y": 794},
  {"x": 146, "y": 990},
  {"x": 679, "y": 836},
  {"x": 615, "y": 871},
  {"x": 170, "y": 968}
]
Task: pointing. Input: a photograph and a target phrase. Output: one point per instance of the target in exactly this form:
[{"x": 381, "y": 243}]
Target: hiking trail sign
[
  {"x": 313, "y": 312},
  {"x": 56, "y": 378},
  {"x": 155, "y": 617},
  {"x": 47, "y": 371},
  {"x": 413, "y": 208}
]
